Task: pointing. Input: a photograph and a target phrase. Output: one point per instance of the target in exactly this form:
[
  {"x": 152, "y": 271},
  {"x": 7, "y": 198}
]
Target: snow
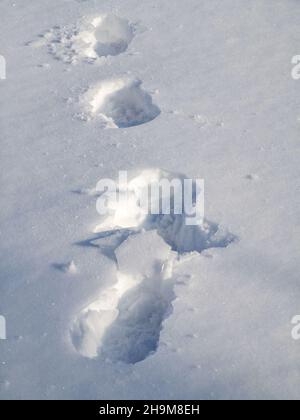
[
  {"x": 126, "y": 307},
  {"x": 133, "y": 307},
  {"x": 93, "y": 38},
  {"x": 121, "y": 103}
]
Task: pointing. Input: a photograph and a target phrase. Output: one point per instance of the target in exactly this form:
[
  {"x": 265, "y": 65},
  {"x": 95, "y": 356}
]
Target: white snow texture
[{"x": 132, "y": 306}]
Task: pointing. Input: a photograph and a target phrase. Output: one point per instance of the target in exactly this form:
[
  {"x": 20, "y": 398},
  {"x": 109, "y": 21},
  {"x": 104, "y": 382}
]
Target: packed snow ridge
[
  {"x": 121, "y": 103},
  {"x": 93, "y": 38},
  {"x": 124, "y": 323}
]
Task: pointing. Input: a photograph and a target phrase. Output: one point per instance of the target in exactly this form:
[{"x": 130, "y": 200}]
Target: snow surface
[{"x": 139, "y": 310}]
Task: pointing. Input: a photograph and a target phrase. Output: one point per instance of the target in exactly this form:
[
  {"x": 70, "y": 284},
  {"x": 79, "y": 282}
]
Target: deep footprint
[
  {"x": 101, "y": 36},
  {"x": 121, "y": 103},
  {"x": 135, "y": 334},
  {"x": 138, "y": 301},
  {"x": 125, "y": 322},
  {"x": 112, "y": 35}
]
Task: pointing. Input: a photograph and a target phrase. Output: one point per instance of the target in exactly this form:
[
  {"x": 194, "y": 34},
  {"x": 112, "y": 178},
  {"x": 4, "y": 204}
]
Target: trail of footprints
[
  {"x": 118, "y": 103},
  {"x": 124, "y": 322}
]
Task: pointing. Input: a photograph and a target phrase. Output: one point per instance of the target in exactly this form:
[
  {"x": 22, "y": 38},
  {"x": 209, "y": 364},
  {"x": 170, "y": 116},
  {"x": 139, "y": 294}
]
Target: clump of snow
[
  {"x": 68, "y": 268},
  {"x": 121, "y": 103},
  {"x": 71, "y": 268}
]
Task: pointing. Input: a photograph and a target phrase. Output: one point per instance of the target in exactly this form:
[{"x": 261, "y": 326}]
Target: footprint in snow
[
  {"x": 120, "y": 103},
  {"x": 124, "y": 323},
  {"x": 89, "y": 40}
]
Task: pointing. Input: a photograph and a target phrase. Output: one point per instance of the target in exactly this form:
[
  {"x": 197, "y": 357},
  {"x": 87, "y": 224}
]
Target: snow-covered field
[{"x": 197, "y": 87}]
